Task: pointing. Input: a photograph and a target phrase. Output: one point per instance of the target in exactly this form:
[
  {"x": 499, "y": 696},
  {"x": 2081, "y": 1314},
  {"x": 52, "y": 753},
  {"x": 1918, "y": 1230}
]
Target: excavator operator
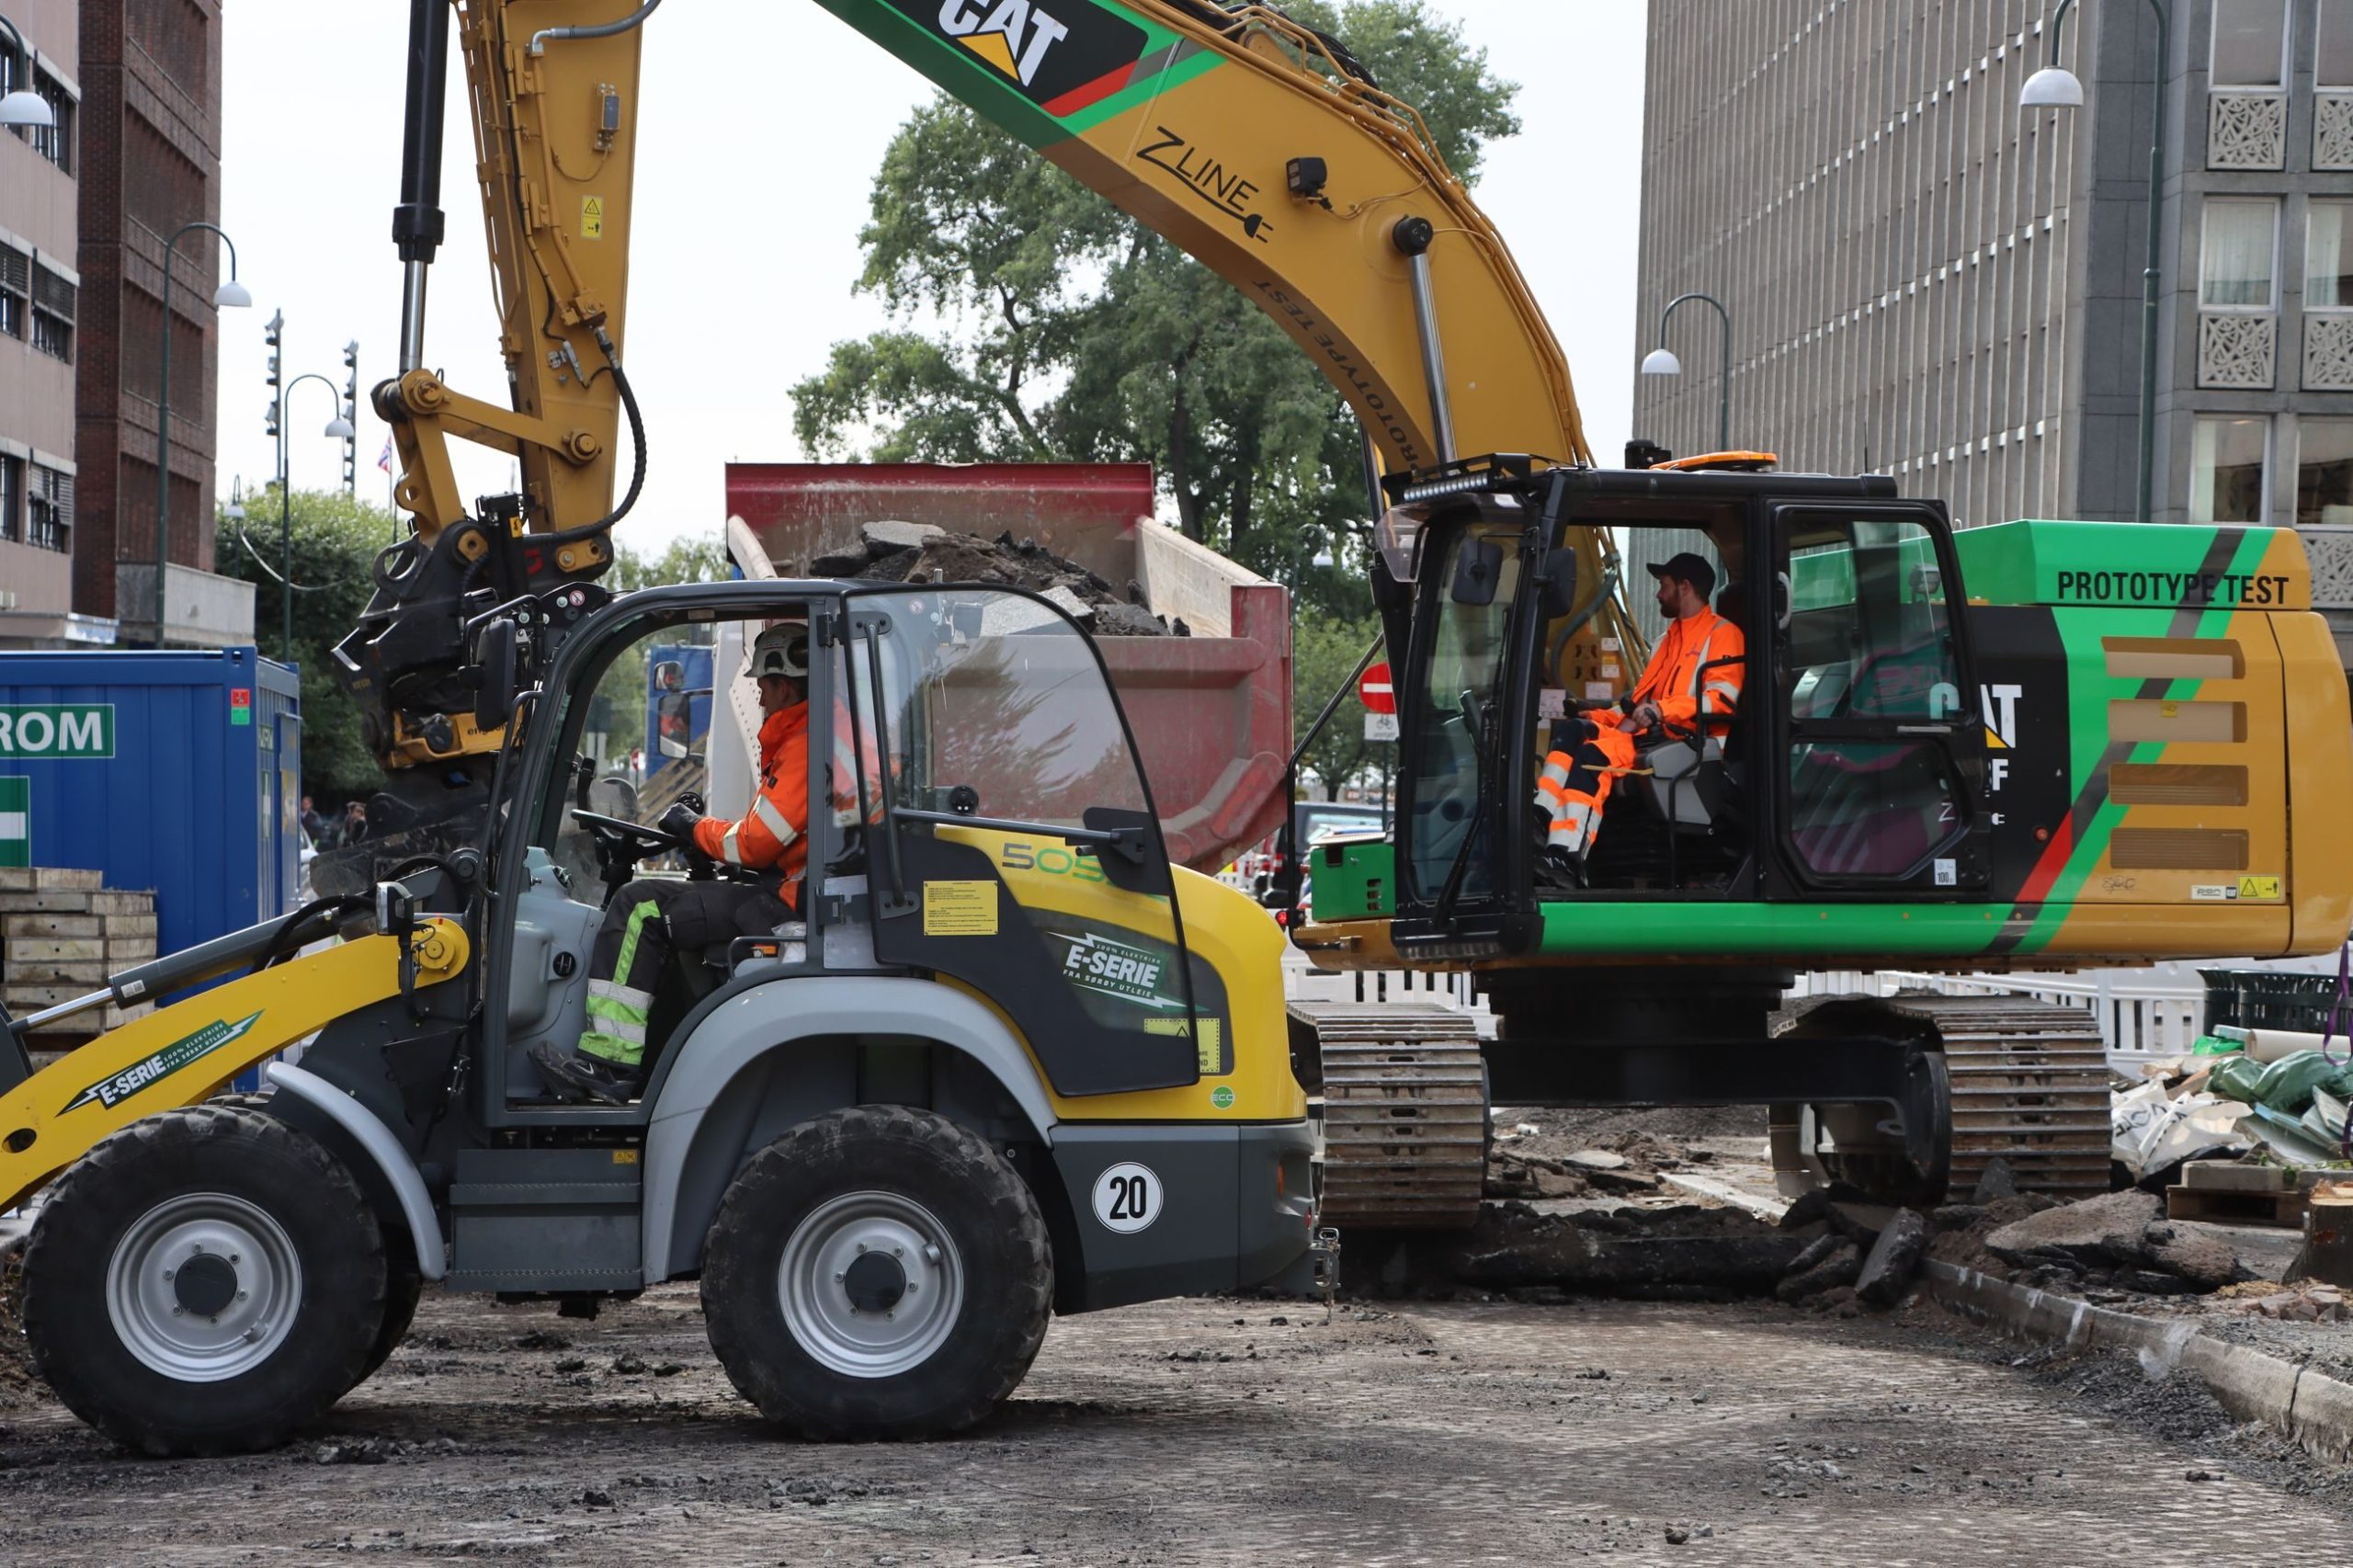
[
  {"x": 1686, "y": 677},
  {"x": 651, "y": 919}
]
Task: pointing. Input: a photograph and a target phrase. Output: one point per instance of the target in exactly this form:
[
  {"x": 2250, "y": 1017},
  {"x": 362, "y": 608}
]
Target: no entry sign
[{"x": 1378, "y": 694}]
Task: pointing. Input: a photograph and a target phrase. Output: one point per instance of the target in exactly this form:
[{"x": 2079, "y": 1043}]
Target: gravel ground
[{"x": 1214, "y": 1432}]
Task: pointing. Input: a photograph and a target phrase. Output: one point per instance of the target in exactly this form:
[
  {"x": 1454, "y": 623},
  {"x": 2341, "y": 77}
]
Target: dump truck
[{"x": 1212, "y": 706}]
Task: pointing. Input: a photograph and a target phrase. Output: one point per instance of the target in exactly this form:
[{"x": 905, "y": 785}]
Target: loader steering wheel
[
  {"x": 607, "y": 828},
  {"x": 620, "y": 844}
]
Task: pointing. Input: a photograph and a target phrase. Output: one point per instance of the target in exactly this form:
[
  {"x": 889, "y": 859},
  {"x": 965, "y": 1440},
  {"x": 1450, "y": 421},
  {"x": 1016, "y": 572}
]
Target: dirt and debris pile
[
  {"x": 1542, "y": 1155},
  {"x": 925, "y": 552},
  {"x": 1683, "y": 1251},
  {"x": 19, "y": 1386},
  {"x": 2118, "y": 1241}
]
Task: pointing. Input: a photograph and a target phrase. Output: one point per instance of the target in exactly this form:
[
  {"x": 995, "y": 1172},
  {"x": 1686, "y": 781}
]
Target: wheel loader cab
[
  {"x": 954, "y": 737},
  {"x": 1835, "y": 749}
]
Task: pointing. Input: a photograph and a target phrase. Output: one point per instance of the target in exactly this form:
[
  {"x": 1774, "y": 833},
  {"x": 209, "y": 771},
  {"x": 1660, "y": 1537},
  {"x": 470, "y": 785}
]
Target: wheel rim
[
  {"x": 204, "y": 1288},
  {"x": 871, "y": 1284}
]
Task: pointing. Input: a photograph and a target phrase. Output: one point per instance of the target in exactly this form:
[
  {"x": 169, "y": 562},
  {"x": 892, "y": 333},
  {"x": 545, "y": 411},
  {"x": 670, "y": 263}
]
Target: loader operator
[
  {"x": 1683, "y": 681},
  {"x": 650, "y": 920}
]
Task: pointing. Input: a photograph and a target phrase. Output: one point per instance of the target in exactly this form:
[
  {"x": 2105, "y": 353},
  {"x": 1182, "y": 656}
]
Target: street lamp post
[
  {"x": 337, "y": 427},
  {"x": 1661, "y": 361},
  {"x": 22, "y": 107},
  {"x": 230, "y": 295},
  {"x": 2057, "y": 87}
]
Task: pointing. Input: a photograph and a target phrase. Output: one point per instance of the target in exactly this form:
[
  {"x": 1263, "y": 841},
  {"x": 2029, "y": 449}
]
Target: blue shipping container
[{"x": 176, "y": 771}]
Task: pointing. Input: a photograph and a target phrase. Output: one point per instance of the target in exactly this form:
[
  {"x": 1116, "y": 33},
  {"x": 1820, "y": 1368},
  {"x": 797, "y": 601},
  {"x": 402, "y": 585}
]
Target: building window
[
  {"x": 2226, "y": 464},
  {"x": 2328, "y": 258},
  {"x": 2234, "y": 270},
  {"x": 55, "y": 141},
  {"x": 2323, "y": 473},
  {"x": 53, "y": 301},
  {"x": 16, "y": 291},
  {"x": 51, "y": 524},
  {"x": 2250, "y": 45},
  {"x": 12, "y": 498}
]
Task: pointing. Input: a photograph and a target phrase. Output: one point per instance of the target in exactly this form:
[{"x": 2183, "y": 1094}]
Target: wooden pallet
[
  {"x": 2285, "y": 1210},
  {"x": 62, "y": 934}
]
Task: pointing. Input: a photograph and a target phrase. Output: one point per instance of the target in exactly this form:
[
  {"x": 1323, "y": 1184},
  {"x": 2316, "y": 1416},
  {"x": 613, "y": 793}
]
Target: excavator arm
[{"x": 1257, "y": 145}]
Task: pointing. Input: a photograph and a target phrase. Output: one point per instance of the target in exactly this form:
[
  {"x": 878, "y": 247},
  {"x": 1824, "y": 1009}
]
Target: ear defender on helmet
[{"x": 782, "y": 650}]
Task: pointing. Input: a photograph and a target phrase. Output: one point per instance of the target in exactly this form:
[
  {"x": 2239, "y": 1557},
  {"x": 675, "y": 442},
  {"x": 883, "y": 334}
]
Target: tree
[
  {"x": 335, "y": 540},
  {"x": 1071, "y": 332},
  {"x": 1323, "y": 655}
]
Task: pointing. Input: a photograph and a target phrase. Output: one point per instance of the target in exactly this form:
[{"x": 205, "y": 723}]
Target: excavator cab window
[
  {"x": 1884, "y": 753},
  {"x": 1468, "y": 599}
]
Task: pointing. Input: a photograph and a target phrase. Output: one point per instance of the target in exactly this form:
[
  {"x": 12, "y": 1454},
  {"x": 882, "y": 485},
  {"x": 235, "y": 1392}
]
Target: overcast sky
[{"x": 762, "y": 125}]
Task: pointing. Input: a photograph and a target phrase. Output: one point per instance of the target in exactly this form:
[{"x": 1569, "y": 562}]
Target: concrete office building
[
  {"x": 1924, "y": 281},
  {"x": 39, "y": 282}
]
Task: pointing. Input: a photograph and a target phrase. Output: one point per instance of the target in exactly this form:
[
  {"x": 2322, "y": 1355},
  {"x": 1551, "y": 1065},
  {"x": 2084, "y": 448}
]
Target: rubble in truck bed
[{"x": 925, "y": 552}]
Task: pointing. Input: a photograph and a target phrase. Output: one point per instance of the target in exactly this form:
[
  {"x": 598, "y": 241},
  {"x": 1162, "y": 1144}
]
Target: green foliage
[
  {"x": 1323, "y": 659},
  {"x": 335, "y": 538},
  {"x": 1071, "y": 333}
]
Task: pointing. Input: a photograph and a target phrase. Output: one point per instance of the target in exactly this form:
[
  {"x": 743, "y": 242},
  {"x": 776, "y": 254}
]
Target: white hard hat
[{"x": 782, "y": 650}]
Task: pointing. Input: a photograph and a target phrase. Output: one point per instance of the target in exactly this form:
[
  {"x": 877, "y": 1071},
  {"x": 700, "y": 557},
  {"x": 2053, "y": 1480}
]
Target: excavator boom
[{"x": 1258, "y": 146}]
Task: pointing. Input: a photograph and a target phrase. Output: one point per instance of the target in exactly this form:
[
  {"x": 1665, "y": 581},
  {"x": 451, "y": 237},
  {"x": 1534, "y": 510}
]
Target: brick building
[
  {"x": 150, "y": 128},
  {"x": 39, "y": 285}
]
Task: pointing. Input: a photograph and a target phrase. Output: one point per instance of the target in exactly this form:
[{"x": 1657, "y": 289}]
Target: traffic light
[
  {"x": 274, "y": 334},
  {"x": 351, "y": 416}
]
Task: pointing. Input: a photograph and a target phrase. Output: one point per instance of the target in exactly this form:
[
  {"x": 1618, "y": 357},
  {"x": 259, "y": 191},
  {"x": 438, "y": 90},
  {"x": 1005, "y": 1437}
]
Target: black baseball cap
[{"x": 1688, "y": 568}]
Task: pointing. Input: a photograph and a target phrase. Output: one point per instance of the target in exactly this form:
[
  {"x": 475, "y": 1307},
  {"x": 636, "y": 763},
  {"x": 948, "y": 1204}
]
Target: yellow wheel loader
[{"x": 1004, "y": 1062}]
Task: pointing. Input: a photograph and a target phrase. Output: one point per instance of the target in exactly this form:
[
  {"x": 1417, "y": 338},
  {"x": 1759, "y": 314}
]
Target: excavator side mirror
[
  {"x": 1477, "y": 571},
  {"x": 494, "y": 675},
  {"x": 1557, "y": 584},
  {"x": 670, "y": 676}
]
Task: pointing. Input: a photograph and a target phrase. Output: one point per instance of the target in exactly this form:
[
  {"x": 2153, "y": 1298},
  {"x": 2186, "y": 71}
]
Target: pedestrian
[
  {"x": 313, "y": 826},
  {"x": 355, "y": 823}
]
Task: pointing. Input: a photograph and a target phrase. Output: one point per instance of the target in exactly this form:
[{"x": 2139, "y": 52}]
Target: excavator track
[
  {"x": 1404, "y": 1115},
  {"x": 2030, "y": 1087}
]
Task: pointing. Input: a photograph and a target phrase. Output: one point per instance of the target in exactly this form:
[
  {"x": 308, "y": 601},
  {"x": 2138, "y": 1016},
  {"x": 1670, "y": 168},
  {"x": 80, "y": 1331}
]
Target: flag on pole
[{"x": 385, "y": 461}]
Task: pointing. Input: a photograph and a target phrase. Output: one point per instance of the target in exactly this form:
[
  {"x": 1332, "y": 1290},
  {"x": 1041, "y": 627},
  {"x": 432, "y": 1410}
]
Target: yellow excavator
[{"x": 1006, "y": 1060}]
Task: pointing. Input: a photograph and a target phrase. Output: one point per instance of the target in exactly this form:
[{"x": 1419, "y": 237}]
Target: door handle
[{"x": 1924, "y": 729}]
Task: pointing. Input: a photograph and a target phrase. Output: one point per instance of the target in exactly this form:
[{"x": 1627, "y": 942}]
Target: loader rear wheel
[
  {"x": 203, "y": 1282},
  {"x": 879, "y": 1272}
]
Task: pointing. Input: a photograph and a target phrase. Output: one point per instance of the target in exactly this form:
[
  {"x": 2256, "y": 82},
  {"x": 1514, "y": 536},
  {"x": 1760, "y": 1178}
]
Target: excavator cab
[{"x": 1840, "y": 754}]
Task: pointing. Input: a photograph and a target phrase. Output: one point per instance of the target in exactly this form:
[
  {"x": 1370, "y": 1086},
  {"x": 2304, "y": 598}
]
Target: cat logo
[
  {"x": 1014, "y": 37},
  {"x": 1061, "y": 55}
]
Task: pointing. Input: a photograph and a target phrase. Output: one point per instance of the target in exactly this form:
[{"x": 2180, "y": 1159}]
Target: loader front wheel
[
  {"x": 879, "y": 1272},
  {"x": 203, "y": 1282}
]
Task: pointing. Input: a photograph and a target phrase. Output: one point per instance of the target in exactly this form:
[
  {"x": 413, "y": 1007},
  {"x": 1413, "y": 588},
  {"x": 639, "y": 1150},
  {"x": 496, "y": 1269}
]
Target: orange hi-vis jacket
[
  {"x": 1678, "y": 681},
  {"x": 773, "y": 833}
]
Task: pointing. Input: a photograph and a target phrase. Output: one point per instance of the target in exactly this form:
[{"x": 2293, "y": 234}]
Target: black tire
[
  {"x": 99, "y": 1316},
  {"x": 878, "y": 1166},
  {"x": 404, "y": 1284}
]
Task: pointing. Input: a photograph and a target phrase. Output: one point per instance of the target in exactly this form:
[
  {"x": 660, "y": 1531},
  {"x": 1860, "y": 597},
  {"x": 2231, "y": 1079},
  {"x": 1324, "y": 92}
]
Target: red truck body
[{"x": 1212, "y": 712}]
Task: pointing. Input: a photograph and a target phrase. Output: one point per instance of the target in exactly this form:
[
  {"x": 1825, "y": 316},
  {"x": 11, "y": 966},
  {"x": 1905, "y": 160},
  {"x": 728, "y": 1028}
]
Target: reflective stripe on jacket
[{"x": 1677, "y": 680}]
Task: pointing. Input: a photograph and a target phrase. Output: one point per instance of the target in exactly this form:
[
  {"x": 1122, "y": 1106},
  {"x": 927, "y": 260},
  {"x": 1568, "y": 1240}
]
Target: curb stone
[{"x": 2313, "y": 1409}]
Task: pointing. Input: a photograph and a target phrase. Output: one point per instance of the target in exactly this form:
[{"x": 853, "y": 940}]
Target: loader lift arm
[
  {"x": 182, "y": 1054},
  {"x": 1258, "y": 146}
]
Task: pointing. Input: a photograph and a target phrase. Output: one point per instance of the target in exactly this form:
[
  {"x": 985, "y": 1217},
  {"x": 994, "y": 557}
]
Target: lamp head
[
  {"x": 2054, "y": 87},
  {"x": 24, "y": 109},
  {"x": 231, "y": 295},
  {"x": 234, "y": 512},
  {"x": 1660, "y": 362},
  {"x": 339, "y": 428}
]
